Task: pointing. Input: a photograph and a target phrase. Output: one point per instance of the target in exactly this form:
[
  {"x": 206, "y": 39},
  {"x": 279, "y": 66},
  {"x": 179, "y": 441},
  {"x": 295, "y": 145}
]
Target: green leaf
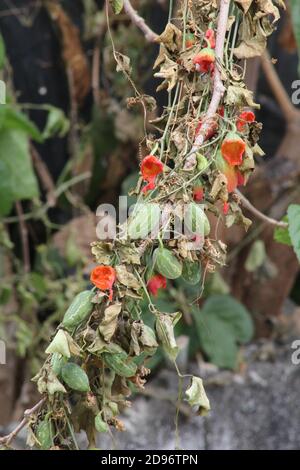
[
  {"x": 294, "y": 227},
  {"x": 222, "y": 324},
  {"x": 196, "y": 396},
  {"x": 17, "y": 180},
  {"x": 281, "y": 235},
  {"x": 295, "y": 15},
  {"x": 256, "y": 257},
  {"x": 117, "y": 6},
  {"x": 57, "y": 123},
  {"x": 100, "y": 425},
  {"x": 11, "y": 118},
  {"x": 24, "y": 337}
]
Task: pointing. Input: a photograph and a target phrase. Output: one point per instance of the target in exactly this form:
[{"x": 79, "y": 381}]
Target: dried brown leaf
[{"x": 109, "y": 323}]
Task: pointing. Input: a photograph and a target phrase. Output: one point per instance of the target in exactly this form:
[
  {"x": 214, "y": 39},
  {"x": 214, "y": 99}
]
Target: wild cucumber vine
[{"x": 199, "y": 150}]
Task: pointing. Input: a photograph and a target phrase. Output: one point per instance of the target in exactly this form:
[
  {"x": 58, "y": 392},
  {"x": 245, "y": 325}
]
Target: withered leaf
[
  {"x": 123, "y": 63},
  {"x": 188, "y": 56},
  {"x": 59, "y": 344},
  {"x": 129, "y": 254},
  {"x": 253, "y": 38},
  {"x": 237, "y": 217},
  {"x": 258, "y": 151},
  {"x": 147, "y": 100},
  {"x": 267, "y": 7},
  {"x": 248, "y": 160},
  {"x": 48, "y": 382},
  {"x": 254, "y": 134},
  {"x": 230, "y": 22},
  {"x": 179, "y": 139},
  {"x": 169, "y": 72},
  {"x": 109, "y": 323},
  {"x": 196, "y": 396},
  {"x": 75, "y": 350},
  {"x": 164, "y": 326},
  {"x": 126, "y": 292},
  {"x": 148, "y": 338},
  {"x": 171, "y": 37},
  {"x": 240, "y": 96},
  {"x": 163, "y": 53},
  {"x": 150, "y": 102},
  {"x": 127, "y": 278},
  {"x": 245, "y": 4},
  {"x": 102, "y": 252},
  {"x": 134, "y": 343},
  {"x": 53, "y": 384},
  {"x": 219, "y": 186},
  {"x": 98, "y": 346},
  {"x": 143, "y": 339}
]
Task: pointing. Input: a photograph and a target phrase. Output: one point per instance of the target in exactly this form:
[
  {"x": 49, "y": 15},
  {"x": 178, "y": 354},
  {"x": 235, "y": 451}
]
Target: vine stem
[
  {"x": 150, "y": 35},
  {"x": 218, "y": 87},
  {"x": 247, "y": 204},
  {"x": 6, "y": 440}
]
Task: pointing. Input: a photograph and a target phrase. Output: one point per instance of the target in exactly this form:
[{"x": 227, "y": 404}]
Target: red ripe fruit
[
  {"x": 104, "y": 277},
  {"x": 228, "y": 171},
  {"x": 198, "y": 193},
  {"x": 221, "y": 111},
  {"x": 155, "y": 283},
  {"x": 233, "y": 175},
  {"x": 205, "y": 60},
  {"x": 225, "y": 208},
  {"x": 243, "y": 119},
  {"x": 150, "y": 168},
  {"x": 211, "y": 37},
  {"x": 233, "y": 149}
]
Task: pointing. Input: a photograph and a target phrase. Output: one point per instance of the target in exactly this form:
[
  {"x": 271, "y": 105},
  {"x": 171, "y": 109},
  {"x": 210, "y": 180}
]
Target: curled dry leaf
[
  {"x": 238, "y": 95},
  {"x": 109, "y": 323},
  {"x": 127, "y": 278},
  {"x": 102, "y": 252},
  {"x": 169, "y": 72},
  {"x": 245, "y": 4},
  {"x": 171, "y": 38},
  {"x": 129, "y": 254},
  {"x": 164, "y": 326},
  {"x": 123, "y": 63},
  {"x": 196, "y": 396}
]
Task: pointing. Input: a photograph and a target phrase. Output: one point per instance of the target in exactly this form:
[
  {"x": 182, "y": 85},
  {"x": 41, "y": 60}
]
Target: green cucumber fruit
[
  {"x": 167, "y": 264},
  {"x": 75, "y": 377},
  {"x": 79, "y": 310}
]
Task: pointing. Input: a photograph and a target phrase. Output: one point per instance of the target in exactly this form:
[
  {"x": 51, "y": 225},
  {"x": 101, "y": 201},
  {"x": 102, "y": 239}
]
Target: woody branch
[
  {"x": 150, "y": 35},
  {"x": 218, "y": 87},
  {"x": 6, "y": 440}
]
